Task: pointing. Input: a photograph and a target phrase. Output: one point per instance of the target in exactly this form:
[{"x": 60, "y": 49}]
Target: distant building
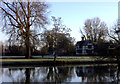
[{"x": 84, "y": 47}]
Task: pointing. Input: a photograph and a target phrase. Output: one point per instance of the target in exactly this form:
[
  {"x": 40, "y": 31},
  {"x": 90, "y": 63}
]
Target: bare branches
[
  {"x": 20, "y": 18},
  {"x": 94, "y": 29},
  {"x": 82, "y": 33},
  {"x": 7, "y": 4},
  {"x": 8, "y": 14},
  {"x": 21, "y": 3},
  {"x": 113, "y": 34}
]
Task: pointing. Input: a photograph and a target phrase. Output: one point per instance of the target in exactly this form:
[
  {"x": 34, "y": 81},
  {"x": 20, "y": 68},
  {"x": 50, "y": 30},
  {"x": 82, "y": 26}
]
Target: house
[{"x": 84, "y": 47}]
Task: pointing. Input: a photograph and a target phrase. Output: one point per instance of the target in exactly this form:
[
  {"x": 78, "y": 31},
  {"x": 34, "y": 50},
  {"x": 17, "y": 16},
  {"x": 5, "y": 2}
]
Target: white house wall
[{"x": 84, "y": 48}]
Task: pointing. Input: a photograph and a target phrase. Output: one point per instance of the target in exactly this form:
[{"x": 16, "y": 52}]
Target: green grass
[
  {"x": 57, "y": 59},
  {"x": 25, "y": 60}
]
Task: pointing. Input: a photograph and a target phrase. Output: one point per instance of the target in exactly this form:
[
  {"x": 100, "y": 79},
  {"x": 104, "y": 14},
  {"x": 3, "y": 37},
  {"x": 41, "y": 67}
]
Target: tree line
[{"x": 25, "y": 23}]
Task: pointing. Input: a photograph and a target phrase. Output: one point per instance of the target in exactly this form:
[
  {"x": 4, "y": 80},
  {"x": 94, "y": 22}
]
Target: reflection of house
[
  {"x": 84, "y": 47},
  {"x": 84, "y": 71}
]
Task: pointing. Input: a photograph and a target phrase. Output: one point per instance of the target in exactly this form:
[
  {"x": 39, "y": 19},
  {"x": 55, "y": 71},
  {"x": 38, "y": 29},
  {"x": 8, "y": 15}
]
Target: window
[
  {"x": 80, "y": 46},
  {"x": 79, "y": 51},
  {"x": 89, "y": 46},
  {"x": 89, "y": 51}
]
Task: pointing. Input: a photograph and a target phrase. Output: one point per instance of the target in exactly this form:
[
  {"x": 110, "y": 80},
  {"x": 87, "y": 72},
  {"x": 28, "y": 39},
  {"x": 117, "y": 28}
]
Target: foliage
[
  {"x": 16, "y": 50},
  {"x": 58, "y": 38},
  {"x": 44, "y": 50}
]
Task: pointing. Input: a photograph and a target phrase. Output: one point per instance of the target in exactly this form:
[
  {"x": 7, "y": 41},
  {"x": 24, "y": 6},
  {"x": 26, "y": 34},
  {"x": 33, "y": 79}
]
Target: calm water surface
[{"x": 79, "y": 73}]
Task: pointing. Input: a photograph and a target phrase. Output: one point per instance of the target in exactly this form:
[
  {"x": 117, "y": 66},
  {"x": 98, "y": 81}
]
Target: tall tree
[
  {"x": 94, "y": 29},
  {"x": 23, "y": 20},
  {"x": 114, "y": 33},
  {"x": 58, "y": 37}
]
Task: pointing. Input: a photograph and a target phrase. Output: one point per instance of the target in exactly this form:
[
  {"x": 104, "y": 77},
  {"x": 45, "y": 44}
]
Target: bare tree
[
  {"x": 23, "y": 20},
  {"x": 58, "y": 37},
  {"x": 115, "y": 36},
  {"x": 94, "y": 29},
  {"x": 114, "y": 33}
]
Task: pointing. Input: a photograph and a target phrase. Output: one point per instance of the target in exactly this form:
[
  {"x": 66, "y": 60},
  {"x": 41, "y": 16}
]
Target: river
[{"x": 61, "y": 74}]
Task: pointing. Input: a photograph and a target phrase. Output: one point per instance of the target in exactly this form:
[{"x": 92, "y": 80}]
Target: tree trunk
[
  {"x": 27, "y": 43},
  {"x": 54, "y": 58},
  {"x": 55, "y": 54},
  {"x": 28, "y": 48},
  {"x": 28, "y": 52}
]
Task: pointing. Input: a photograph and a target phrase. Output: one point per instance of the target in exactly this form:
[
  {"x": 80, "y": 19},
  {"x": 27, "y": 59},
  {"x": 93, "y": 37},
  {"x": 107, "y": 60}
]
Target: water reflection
[
  {"x": 97, "y": 73},
  {"x": 58, "y": 74},
  {"x": 61, "y": 74},
  {"x": 27, "y": 73},
  {"x": 84, "y": 72}
]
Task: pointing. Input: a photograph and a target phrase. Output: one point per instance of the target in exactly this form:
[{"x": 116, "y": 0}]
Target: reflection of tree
[
  {"x": 58, "y": 74},
  {"x": 18, "y": 75},
  {"x": 62, "y": 74},
  {"x": 27, "y": 73},
  {"x": 110, "y": 73},
  {"x": 14, "y": 75},
  {"x": 42, "y": 74},
  {"x": 99, "y": 74},
  {"x": 118, "y": 74}
]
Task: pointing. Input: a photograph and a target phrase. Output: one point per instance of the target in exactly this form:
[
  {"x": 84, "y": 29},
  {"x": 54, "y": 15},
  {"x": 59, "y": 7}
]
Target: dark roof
[{"x": 83, "y": 43}]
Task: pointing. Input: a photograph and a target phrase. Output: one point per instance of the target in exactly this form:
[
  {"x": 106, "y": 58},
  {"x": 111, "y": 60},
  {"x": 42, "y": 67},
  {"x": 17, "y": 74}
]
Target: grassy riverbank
[{"x": 60, "y": 59}]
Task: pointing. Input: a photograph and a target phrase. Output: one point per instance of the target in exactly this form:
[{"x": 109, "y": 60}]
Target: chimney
[
  {"x": 83, "y": 38},
  {"x": 88, "y": 37}
]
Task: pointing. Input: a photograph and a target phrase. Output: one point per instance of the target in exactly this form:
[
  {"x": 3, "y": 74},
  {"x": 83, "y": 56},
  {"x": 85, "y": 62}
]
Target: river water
[{"x": 61, "y": 74}]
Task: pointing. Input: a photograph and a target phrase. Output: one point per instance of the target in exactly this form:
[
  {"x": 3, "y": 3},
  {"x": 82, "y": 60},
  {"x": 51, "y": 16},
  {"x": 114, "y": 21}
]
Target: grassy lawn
[{"x": 59, "y": 59}]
